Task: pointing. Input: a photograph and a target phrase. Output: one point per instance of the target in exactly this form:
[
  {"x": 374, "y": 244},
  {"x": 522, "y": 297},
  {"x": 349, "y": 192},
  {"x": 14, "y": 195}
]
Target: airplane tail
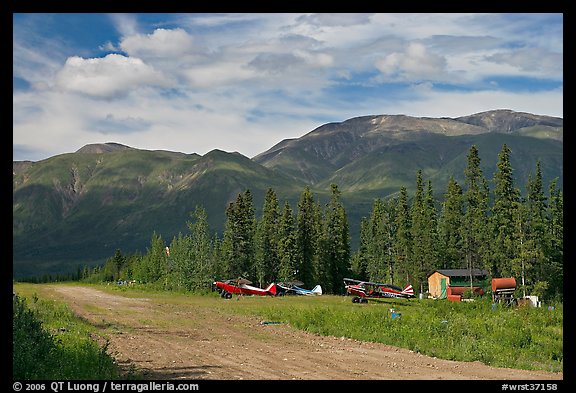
[
  {"x": 408, "y": 290},
  {"x": 271, "y": 289},
  {"x": 317, "y": 290}
]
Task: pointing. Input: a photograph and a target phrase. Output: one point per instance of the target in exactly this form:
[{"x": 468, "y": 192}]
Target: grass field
[{"x": 523, "y": 338}]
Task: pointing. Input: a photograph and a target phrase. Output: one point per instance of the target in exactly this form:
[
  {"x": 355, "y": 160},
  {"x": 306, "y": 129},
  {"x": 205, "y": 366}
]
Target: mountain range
[{"x": 76, "y": 209}]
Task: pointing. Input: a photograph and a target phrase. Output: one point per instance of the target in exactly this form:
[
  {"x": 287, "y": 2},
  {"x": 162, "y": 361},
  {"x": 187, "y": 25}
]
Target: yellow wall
[{"x": 434, "y": 283}]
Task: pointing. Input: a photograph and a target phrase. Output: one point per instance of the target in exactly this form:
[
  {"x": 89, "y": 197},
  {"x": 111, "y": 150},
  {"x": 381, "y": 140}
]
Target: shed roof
[{"x": 460, "y": 272}]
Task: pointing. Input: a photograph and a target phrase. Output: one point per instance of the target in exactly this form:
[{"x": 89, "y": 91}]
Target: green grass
[
  {"x": 521, "y": 338},
  {"x": 51, "y": 343}
]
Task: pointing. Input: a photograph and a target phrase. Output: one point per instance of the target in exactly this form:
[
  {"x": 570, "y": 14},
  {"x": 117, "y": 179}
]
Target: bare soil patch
[{"x": 177, "y": 341}]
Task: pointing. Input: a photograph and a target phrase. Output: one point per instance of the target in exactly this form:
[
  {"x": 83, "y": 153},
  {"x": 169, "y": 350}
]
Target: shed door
[{"x": 443, "y": 288}]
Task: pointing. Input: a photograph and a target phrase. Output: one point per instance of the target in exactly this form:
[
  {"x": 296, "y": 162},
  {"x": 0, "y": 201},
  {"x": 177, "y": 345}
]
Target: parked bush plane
[
  {"x": 293, "y": 288},
  {"x": 364, "y": 290},
  {"x": 241, "y": 286}
]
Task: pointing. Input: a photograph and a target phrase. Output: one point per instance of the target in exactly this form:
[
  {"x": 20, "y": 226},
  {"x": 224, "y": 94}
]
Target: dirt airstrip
[{"x": 182, "y": 341}]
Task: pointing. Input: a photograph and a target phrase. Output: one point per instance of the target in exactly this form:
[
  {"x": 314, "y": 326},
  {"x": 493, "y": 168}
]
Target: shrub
[{"x": 31, "y": 344}]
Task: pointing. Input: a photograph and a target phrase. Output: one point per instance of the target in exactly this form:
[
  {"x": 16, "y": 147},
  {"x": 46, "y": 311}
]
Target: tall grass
[
  {"x": 519, "y": 337},
  {"x": 50, "y": 343}
]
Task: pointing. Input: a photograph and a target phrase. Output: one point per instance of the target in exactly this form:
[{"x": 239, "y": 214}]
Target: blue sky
[{"x": 243, "y": 82}]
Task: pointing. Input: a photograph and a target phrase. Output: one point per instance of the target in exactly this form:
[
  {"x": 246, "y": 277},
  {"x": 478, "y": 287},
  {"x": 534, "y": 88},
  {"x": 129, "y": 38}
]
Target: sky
[{"x": 242, "y": 83}]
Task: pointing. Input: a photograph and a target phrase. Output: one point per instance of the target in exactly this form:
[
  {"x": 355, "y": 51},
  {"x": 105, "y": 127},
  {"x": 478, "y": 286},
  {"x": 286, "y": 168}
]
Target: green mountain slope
[{"x": 77, "y": 209}]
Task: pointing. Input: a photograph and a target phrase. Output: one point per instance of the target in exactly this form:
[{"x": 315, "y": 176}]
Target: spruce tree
[
  {"x": 555, "y": 242},
  {"x": 418, "y": 233},
  {"x": 403, "y": 241},
  {"x": 474, "y": 229},
  {"x": 423, "y": 231},
  {"x": 376, "y": 247},
  {"x": 267, "y": 259},
  {"x": 287, "y": 245},
  {"x": 239, "y": 236},
  {"x": 431, "y": 240},
  {"x": 308, "y": 232},
  {"x": 360, "y": 259},
  {"x": 535, "y": 233},
  {"x": 334, "y": 259},
  {"x": 504, "y": 245},
  {"x": 449, "y": 227},
  {"x": 201, "y": 253},
  {"x": 389, "y": 230}
]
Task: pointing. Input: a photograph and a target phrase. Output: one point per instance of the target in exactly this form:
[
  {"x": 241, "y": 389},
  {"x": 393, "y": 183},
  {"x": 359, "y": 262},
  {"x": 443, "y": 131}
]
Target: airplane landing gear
[{"x": 226, "y": 295}]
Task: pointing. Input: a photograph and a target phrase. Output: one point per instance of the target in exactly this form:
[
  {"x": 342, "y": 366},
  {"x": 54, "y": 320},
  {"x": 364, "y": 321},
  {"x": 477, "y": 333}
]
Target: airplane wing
[
  {"x": 238, "y": 281},
  {"x": 381, "y": 284},
  {"x": 394, "y": 287},
  {"x": 352, "y": 281}
]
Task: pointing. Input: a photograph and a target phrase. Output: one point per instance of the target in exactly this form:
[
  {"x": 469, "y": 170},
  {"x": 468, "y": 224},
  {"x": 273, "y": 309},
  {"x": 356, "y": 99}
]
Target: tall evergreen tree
[
  {"x": 418, "y": 233},
  {"x": 450, "y": 227},
  {"x": 334, "y": 261},
  {"x": 389, "y": 234},
  {"x": 403, "y": 241},
  {"x": 503, "y": 247},
  {"x": 423, "y": 231},
  {"x": 287, "y": 245},
  {"x": 474, "y": 232},
  {"x": 203, "y": 268},
  {"x": 555, "y": 242},
  {"x": 113, "y": 266},
  {"x": 239, "y": 236},
  {"x": 360, "y": 258},
  {"x": 267, "y": 259},
  {"x": 432, "y": 240},
  {"x": 308, "y": 232},
  {"x": 534, "y": 231},
  {"x": 377, "y": 268}
]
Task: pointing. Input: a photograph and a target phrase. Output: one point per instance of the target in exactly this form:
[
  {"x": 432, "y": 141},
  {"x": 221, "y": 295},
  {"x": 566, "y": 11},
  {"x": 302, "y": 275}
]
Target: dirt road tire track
[{"x": 197, "y": 343}]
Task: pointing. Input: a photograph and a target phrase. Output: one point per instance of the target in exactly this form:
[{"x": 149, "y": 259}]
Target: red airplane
[
  {"x": 242, "y": 286},
  {"x": 364, "y": 290}
]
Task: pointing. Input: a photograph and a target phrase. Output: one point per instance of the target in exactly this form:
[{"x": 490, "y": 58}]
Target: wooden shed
[{"x": 439, "y": 280}]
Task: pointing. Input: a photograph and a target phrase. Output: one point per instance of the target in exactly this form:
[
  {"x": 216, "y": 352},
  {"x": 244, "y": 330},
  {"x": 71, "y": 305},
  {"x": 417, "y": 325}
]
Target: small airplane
[
  {"x": 293, "y": 288},
  {"x": 241, "y": 286},
  {"x": 364, "y": 290}
]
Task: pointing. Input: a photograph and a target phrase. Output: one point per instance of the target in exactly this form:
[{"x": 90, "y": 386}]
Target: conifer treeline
[{"x": 402, "y": 241}]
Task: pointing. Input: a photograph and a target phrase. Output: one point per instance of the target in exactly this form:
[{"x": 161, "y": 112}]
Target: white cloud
[
  {"x": 414, "y": 64},
  {"x": 126, "y": 24},
  {"x": 112, "y": 75},
  {"x": 338, "y": 19},
  {"x": 161, "y": 43},
  {"x": 217, "y": 74},
  {"x": 536, "y": 61},
  {"x": 315, "y": 59},
  {"x": 433, "y": 103}
]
